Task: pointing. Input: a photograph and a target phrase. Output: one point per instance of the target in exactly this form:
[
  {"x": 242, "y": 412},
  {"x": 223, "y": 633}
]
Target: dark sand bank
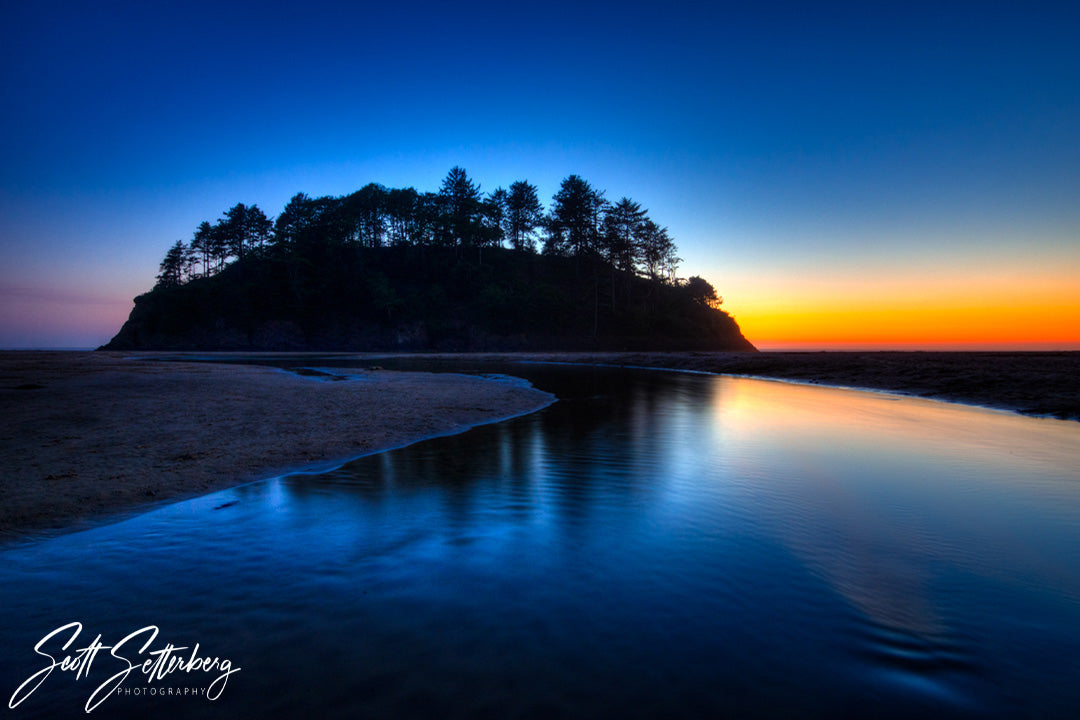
[
  {"x": 1028, "y": 383},
  {"x": 1032, "y": 383},
  {"x": 89, "y": 435}
]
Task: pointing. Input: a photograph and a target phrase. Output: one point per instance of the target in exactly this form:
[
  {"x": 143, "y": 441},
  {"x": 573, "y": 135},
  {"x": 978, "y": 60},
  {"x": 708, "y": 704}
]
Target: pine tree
[
  {"x": 172, "y": 268},
  {"x": 462, "y": 206},
  {"x": 576, "y": 218},
  {"x": 524, "y": 214}
]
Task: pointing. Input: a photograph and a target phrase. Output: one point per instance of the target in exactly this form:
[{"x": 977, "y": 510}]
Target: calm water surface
[{"x": 652, "y": 545}]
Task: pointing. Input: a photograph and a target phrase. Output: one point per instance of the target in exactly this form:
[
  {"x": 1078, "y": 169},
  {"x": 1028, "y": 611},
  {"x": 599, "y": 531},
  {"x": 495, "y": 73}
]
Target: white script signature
[{"x": 132, "y": 651}]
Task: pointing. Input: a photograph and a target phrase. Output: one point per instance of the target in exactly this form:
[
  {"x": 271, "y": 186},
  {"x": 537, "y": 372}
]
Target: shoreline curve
[{"x": 92, "y": 438}]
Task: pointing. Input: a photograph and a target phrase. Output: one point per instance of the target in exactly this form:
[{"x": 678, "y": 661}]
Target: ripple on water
[{"x": 936, "y": 671}]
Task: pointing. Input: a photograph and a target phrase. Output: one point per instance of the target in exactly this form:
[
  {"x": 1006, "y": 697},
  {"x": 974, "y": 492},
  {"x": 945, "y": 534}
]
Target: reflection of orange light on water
[
  {"x": 823, "y": 458},
  {"x": 806, "y": 411}
]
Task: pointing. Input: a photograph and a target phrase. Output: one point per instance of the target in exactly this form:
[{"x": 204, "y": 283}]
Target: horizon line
[{"x": 765, "y": 347}]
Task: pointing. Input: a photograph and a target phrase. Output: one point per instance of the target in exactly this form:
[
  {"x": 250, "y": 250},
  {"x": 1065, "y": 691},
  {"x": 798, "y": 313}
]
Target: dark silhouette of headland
[{"x": 397, "y": 269}]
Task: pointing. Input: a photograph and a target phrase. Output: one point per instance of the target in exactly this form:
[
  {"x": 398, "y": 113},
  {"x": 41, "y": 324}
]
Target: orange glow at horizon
[
  {"x": 1045, "y": 317},
  {"x": 962, "y": 325}
]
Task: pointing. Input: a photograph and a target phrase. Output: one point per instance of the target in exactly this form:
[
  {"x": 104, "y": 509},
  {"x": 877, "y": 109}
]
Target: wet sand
[{"x": 88, "y": 436}]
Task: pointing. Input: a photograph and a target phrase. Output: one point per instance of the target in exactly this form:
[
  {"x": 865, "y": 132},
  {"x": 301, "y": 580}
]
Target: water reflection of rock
[{"x": 597, "y": 448}]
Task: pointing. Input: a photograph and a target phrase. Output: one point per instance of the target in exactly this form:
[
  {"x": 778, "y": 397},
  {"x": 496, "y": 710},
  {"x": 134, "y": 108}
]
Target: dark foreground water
[{"x": 654, "y": 545}]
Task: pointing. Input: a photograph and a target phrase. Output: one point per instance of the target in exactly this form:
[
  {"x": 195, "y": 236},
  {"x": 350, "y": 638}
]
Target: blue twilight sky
[{"x": 807, "y": 157}]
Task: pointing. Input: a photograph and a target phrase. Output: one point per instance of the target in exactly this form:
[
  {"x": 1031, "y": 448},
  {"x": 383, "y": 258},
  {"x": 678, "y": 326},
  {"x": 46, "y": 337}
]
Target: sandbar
[{"x": 85, "y": 436}]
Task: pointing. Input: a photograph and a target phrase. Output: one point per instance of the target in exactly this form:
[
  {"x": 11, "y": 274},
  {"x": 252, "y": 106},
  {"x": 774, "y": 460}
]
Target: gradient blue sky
[{"x": 819, "y": 163}]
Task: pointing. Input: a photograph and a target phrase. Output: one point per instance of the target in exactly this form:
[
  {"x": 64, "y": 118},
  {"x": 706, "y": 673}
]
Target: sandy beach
[{"x": 87, "y": 436}]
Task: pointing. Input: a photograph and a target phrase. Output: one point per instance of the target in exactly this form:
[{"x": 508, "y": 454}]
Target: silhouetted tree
[
  {"x": 657, "y": 251},
  {"x": 172, "y": 268},
  {"x": 574, "y": 226},
  {"x": 495, "y": 217},
  {"x": 202, "y": 245},
  {"x": 402, "y": 216},
  {"x": 244, "y": 228},
  {"x": 298, "y": 214},
  {"x": 429, "y": 225},
  {"x": 218, "y": 242},
  {"x": 366, "y": 212},
  {"x": 462, "y": 206},
  {"x": 307, "y": 223},
  {"x": 622, "y": 230},
  {"x": 524, "y": 214},
  {"x": 703, "y": 292}
]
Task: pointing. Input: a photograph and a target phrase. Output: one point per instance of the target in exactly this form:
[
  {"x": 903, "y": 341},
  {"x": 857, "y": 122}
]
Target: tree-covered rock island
[{"x": 453, "y": 270}]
